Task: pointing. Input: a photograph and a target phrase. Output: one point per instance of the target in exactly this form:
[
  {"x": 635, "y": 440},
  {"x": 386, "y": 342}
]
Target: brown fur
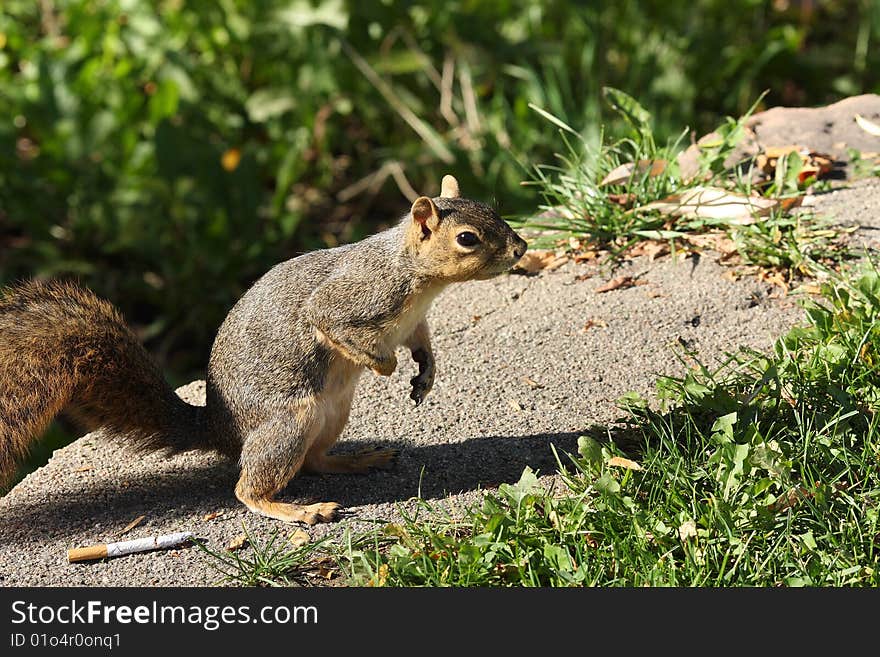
[
  {"x": 285, "y": 363},
  {"x": 64, "y": 349}
]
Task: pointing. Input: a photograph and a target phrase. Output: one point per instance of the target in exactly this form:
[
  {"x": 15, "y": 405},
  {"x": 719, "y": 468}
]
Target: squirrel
[{"x": 283, "y": 367}]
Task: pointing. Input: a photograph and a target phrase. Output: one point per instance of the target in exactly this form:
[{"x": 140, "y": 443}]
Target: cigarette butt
[
  {"x": 93, "y": 552},
  {"x": 87, "y": 553}
]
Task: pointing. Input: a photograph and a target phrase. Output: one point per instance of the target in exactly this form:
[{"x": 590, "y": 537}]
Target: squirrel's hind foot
[{"x": 311, "y": 514}]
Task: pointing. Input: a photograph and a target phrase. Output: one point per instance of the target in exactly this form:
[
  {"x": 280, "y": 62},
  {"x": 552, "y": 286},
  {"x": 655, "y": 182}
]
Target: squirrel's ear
[
  {"x": 425, "y": 213},
  {"x": 449, "y": 188}
]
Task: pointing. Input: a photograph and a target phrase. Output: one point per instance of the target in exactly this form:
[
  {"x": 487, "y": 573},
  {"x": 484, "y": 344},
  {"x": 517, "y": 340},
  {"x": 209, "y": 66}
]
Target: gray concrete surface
[{"x": 484, "y": 422}]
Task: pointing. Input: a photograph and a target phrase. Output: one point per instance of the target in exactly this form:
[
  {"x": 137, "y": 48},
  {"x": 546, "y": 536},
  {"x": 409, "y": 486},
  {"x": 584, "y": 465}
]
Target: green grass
[
  {"x": 760, "y": 472},
  {"x": 615, "y": 216},
  {"x": 271, "y": 563}
]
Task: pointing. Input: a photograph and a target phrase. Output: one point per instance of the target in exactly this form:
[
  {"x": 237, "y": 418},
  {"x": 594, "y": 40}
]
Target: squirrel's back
[{"x": 63, "y": 349}]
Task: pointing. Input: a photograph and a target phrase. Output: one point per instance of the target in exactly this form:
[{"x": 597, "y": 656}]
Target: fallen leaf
[
  {"x": 713, "y": 203},
  {"x": 790, "y": 499},
  {"x": 620, "y": 462},
  {"x": 230, "y": 159},
  {"x": 532, "y": 382},
  {"x": 774, "y": 277},
  {"x": 868, "y": 126},
  {"x": 381, "y": 576},
  {"x": 688, "y": 529},
  {"x": 651, "y": 248},
  {"x": 212, "y": 515},
  {"x": 134, "y": 523},
  {"x": 237, "y": 543},
  {"x": 534, "y": 261},
  {"x": 299, "y": 538},
  {"x": 717, "y": 241},
  {"x": 592, "y": 323},
  {"x": 619, "y": 283},
  {"x": 629, "y": 170},
  {"x": 583, "y": 256}
]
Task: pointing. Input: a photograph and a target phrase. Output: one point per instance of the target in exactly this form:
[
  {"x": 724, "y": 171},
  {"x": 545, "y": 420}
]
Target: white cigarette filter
[{"x": 127, "y": 547}]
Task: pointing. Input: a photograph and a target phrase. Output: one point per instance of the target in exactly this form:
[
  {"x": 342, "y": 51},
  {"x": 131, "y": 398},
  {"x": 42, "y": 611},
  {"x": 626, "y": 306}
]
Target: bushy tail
[{"x": 64, "y": 349}]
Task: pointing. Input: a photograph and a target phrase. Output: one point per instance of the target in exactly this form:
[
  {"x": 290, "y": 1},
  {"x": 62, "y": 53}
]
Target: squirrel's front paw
[
  {"x": 424, "y": 380},
  {"x": 419, "y": 391},
  {"x": 421, "y": 386}
]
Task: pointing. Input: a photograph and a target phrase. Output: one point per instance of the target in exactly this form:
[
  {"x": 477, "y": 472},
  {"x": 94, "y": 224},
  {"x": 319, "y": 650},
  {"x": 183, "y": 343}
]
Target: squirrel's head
[{"x": 461, "y": 239}]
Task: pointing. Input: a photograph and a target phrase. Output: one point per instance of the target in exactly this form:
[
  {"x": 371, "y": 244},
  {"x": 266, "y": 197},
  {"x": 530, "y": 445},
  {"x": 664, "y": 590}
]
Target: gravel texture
[{"x": 517, "y": 372}]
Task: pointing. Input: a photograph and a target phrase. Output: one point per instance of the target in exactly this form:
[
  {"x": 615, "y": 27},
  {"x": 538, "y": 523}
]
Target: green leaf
[
  {"x": 607, "y": 484},
  {"x": 724, "y": 426},
  {"x": 590, "y": 450},
  {"x": 526, "y": 486}
]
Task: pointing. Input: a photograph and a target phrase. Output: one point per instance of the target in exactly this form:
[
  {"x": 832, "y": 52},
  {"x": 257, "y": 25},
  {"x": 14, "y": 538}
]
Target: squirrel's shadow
[{"x": 432, "y": 471}]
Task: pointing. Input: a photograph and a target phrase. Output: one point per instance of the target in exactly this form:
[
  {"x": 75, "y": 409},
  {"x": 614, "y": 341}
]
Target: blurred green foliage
[{"x": 167, "y": 153}]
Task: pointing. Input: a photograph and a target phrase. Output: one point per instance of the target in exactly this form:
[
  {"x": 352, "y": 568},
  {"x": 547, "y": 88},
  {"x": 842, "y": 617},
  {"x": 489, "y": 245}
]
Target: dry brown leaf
[
  {"x": 868, "y": 126},
  {"x": 299, "y": 538},
  {"x": 790, "y": 499},
  {"x": 237, "y": 543},
  {"x": 620, "y": 283},
  {"x": 134, "y": 523},
  {"x": 651, "y": 248},
  {"x": 620, "y": 462},
  {"x": 593, "y": 323},
  {"x": 626, "y": 200},
  {"x": 584, "y": 256},
  {"x": 212, "y": 515},
  {"x": 531, "y": 382},
  {"x": 714, "y": 203},
  {"x": 628, "y": 170},
  {"x": 716, "y": 241},
  {"x": 534, "y": 261},
  {"x": 774, "y": 277},
  {"x": 814, "y": 164},
  {"x": 381, "y": 576}
]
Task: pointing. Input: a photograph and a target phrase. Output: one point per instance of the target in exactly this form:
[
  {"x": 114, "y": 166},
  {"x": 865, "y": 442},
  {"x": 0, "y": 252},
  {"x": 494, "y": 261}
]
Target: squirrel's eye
[{"x": 467, "y": 238}]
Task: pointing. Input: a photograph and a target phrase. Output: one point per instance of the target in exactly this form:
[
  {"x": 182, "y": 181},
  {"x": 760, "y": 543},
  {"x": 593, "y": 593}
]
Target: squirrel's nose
[{"x": 520, "y": 248}]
